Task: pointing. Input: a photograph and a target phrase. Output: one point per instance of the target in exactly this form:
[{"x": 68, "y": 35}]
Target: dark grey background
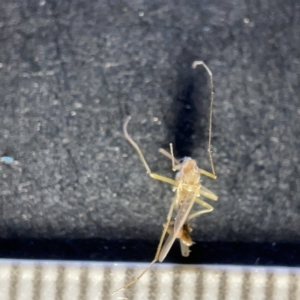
[{"x": 72, "y": 70}]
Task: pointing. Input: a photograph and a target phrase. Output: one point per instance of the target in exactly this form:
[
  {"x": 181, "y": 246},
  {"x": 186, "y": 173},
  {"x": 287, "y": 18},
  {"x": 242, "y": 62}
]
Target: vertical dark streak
[
  {"x": 199, "y": 284},
  {"x": 223, "y": 286},
  {"x": 129, "y": 276},
  {"x": 60, "y": 282},
  {"x": 14, "y": 278},
  {"x": 269, "y": 286},
  {"x": 293, "y": 286},
  {"x": 153, "y": 284},
  {"x": 37, "y": 282},
  {"x": 246, "y": 285},
  {"x": 176, "y": 288},
  {"x": 106, "y": 283},
  {"x": 83, "y": 284}
]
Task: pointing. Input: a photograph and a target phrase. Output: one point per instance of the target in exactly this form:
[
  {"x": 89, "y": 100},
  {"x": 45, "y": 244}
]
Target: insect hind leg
[
  {"x": 208, "y": 208},
  {"x": 158, "y": 251}
]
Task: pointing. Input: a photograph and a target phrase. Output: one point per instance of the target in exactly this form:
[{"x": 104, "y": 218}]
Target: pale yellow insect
[{"x": 188, "y": 188}]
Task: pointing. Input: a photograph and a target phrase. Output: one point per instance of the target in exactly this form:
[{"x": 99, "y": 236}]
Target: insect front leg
[
  {"x": 163, "y": 178},
  {"x": 207, "y": 193},
  {"x": 207, "y": 174},
  {"x": 141, "y": 155}
]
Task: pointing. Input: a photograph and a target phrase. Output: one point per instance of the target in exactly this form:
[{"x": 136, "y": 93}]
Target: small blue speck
[{"x": 7, "y": 159}]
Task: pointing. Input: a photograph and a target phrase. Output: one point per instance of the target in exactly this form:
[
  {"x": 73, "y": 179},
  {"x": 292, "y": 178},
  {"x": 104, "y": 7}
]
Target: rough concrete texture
[{"x": 72, "y": 70}]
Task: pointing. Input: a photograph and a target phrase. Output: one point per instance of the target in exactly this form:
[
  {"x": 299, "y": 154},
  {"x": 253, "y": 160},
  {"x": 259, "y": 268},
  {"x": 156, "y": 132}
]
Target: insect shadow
[{"x": 188, "y": 120}]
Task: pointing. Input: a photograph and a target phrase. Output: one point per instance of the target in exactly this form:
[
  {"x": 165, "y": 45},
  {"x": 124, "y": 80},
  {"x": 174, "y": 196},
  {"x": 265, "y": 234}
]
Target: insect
[{"x": 188, "y": 188}]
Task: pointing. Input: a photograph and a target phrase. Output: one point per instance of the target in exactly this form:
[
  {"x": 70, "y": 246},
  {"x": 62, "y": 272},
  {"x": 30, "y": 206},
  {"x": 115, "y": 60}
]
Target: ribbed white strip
[
  {"x": 211, "y": 280},
  {"x": 25, "y": 282},
  {"x": 48, "y": 282},
  {"x": 20, "y": 283},
  {"x": 117, "y": 280},
  {"x": 72, "y": 283},
  {"x": 234, "y": 285},
  {"x": 188, "y": 282},
  {"x": 281, "y": 286},
  {"x": 258, "y": 285},
  {"x": 95, "y": 279},
  {"x": 142, "y": 287},
  {"x": 164, "y": 283}
]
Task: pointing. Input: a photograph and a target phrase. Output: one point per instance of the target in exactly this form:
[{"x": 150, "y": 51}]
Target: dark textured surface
[
  {"x": 134, "y": 250},
  {"x": 72, "y": 70}
]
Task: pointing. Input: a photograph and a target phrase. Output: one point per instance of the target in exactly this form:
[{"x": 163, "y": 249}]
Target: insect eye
[{"x": 181, "y": 160}]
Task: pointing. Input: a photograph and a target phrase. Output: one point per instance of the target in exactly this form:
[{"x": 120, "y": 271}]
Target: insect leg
[
  {"x": 157, "y": 251},
  {"x": 163, "y": 178},
  {"x": 208, "y": 174},
  {"x": 138, "y": 150},
  {"x": 208, "y": 209},
  {"x": 208, "y": 194},
  {"x": 194, "y": 65},
  {"x": 185, "y": 249}
]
